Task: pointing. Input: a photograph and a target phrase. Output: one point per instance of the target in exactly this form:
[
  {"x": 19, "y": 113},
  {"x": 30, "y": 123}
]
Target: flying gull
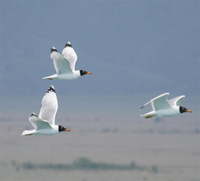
[
  {"x": 44, "y": 124},
  {"x": 162, "y": 107},
  {"x": 65, "y": 64}
]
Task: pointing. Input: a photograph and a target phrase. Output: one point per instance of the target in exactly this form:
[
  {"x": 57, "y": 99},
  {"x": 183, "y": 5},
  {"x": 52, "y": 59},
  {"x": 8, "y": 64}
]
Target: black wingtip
[
  {"x": 141, "y": 108},
  {"x": 51, "y": 88},
  {"x": 33, "y": 114},
  {"x": 68, "y": 44},
  {"x": 53, "y": 49}
]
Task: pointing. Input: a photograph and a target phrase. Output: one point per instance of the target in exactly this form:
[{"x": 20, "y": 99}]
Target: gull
[
  {"x": 44, "y": 124},
  {"x": 162, "y": 107},
  {"x": 65, "y": 64}
]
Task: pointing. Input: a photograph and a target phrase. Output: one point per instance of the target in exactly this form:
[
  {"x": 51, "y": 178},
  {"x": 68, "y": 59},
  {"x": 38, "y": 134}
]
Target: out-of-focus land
[{"x": 102, "y": 150}]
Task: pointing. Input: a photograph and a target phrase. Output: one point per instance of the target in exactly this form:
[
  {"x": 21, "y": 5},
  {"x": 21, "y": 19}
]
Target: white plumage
[
  {"x": 69, "y": 54},
  {"x": 49, "y": 106},
  {"x": 44, "y": 124},
  {"x": 65, "y": 64},
  {"x": 162, "y": 107}
]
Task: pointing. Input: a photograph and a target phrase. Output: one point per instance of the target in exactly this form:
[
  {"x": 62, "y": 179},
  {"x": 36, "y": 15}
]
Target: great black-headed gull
[
  {"x": 162, "y": 107},
  {"x": 65, "y": 64},
  {"x": 44, "y": 124}
]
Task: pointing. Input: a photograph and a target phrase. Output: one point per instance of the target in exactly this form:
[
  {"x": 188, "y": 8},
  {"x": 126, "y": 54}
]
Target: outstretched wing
[
  {"x": 176, "y": 101},
  {"x": 69, "y": 54},
  {"x": 160, "y": 102},
  {"x": 49, "y": 106},
  {"x": 38, "y": 123},
  {"x": 62, "y": 65}
]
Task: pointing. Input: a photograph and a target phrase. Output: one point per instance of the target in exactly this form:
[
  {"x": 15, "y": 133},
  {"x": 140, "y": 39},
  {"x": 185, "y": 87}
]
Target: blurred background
[{"x": 136, "y": 50}]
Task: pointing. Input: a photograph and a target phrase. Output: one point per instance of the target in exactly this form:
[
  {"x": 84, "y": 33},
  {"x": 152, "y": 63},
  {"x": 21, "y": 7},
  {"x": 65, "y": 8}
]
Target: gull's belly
[
  {"x": 68, "y": 76},
  {"x": 167, "y": 113},
  {"x": 45, "y": 132}
]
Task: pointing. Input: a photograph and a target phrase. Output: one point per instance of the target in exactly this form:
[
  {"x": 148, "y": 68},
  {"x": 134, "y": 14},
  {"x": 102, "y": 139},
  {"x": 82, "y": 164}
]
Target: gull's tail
[
  {"x": 148, "y": 115},
  {"x": 51, "y": 77},
  {"x": 27, "y": 133}
]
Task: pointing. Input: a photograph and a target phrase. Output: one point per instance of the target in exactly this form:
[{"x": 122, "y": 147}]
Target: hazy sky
[{"x": 133, "y": 48}]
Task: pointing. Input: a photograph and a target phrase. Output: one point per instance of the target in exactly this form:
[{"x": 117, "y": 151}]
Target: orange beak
[
  {"x": 89, "y": 73},
  {"x": 67, "y": 130},
  {"x": 189, "y": 111}
]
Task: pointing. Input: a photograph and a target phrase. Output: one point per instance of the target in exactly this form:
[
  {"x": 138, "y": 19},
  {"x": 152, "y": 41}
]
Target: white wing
[
  {"x": 49, "y": 106},
  {"x": 61, "y": 65},
  {"x": 176, "y": 101},
  {"x": 38, "y": 123},
  {"x": 160, "y": 102},
  {"x": 69, "y": 54}
]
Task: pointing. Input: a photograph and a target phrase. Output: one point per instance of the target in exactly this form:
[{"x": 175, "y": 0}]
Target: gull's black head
[
  {"x": 83, "y": 72},
  {"x": 183, "y": 109},
  {"x": 61, "y": 128}
]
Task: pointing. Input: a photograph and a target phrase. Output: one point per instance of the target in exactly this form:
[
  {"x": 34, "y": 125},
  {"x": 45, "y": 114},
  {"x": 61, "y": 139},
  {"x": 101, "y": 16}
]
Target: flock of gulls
[{"x": 64, "y": 64}]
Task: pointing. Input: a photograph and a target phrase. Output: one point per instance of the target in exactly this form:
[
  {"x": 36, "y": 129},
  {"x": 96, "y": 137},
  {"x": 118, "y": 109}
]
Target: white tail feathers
[
  {"x": 27, "y": 132},
  {"x": 51, "y": 77}
]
